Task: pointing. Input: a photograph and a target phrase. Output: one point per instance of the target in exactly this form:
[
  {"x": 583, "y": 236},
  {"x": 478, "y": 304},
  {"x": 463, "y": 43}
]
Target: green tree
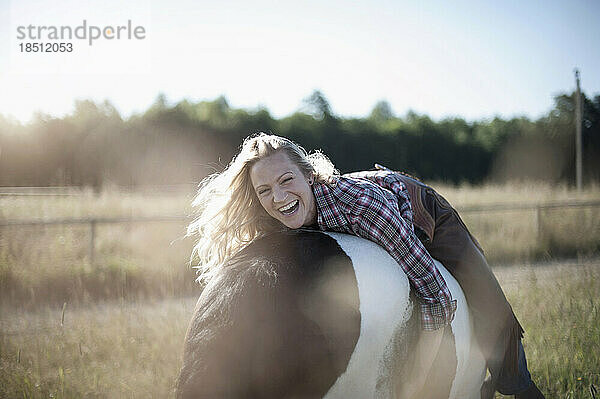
[{"x": 317, "y": 105}]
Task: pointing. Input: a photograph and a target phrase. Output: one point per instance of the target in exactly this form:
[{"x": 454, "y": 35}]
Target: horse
[{"x": 310, "y": 314}]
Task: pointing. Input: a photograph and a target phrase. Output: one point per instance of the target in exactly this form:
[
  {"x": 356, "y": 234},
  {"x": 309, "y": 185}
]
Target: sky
[{"x": 471, "y": 59}]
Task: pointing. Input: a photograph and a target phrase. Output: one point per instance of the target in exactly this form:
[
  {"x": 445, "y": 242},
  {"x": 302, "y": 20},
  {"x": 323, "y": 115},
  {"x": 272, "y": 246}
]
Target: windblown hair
[{"x": 229, "y": 215}]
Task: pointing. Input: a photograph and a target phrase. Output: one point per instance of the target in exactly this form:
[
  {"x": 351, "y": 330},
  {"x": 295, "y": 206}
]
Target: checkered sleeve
[
  {"x": 374, "y": 218},
  {"x": 391, "y": 182}
]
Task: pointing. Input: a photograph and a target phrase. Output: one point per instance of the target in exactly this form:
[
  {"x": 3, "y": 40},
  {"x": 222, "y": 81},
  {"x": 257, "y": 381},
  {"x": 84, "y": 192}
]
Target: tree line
[{"x": 183, "y": 142}]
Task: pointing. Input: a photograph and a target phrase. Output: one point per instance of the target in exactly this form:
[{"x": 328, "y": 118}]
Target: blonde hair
[{"x": 229, "y": 215}]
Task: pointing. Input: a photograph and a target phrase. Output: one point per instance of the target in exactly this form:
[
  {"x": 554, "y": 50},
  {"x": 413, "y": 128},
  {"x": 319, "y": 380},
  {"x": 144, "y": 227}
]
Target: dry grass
[
  {"x": 86, "y": 203},
  {"x": 123, "y": 329},
  {"x": 51, "y": 264},
  {"x": 120, "y": 350},
  {"x": 133, "y": 350},
  {"x": 559, "y": 307},
  {"x": 514, "y": 193},
  {"x": 526, "y": 235}
]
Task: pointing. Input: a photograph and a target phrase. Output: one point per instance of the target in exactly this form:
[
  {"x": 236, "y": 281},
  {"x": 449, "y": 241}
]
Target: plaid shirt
[{"x": 384, "y": 216}]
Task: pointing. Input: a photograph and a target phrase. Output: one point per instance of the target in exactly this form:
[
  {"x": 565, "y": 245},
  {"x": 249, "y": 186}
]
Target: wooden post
[
  {"x": 578, "y": 144},
  {"x": 92, "y": 239},
  {"x": 538, "y": 223}
]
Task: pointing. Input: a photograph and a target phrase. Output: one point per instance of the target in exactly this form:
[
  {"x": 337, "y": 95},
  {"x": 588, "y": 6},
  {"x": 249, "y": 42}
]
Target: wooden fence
[{"x": 93, "y": 222}]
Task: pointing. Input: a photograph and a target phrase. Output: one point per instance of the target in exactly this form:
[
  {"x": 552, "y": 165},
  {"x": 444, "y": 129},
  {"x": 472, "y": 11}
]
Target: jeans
[{"x": 513, "y": 384}]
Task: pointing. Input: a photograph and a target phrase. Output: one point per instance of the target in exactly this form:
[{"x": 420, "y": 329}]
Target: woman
[{"x": 273, "y": 183}]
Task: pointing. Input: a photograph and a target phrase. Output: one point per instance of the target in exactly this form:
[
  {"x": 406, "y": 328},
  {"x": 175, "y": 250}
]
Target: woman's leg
[
  {"x": 496, "y": 327},
  {"x": 519, "y": 385}
]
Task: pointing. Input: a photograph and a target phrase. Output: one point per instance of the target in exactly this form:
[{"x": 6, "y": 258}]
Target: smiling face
[{"x": 283, "y": 191}]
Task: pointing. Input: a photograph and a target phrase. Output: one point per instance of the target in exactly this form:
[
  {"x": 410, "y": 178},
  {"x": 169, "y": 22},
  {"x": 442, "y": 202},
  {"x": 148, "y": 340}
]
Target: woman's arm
[{"x": 375, "y": 218}]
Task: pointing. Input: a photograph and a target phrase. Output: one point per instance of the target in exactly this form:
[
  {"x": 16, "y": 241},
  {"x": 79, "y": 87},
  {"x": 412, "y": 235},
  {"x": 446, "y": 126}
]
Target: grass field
[
  {"x": 114, "y": 329},
  {"x": 51, "y": 264},
  {"x": 133, "y": 350},
  {"x": 524, "y": 235},
  {"x": 110, "y": 350},
  {"x": 559, "y": 307}
]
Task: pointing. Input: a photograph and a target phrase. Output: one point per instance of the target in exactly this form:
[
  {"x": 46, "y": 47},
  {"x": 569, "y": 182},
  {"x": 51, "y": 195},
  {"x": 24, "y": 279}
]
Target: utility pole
[{"x": 578, "y": 145}]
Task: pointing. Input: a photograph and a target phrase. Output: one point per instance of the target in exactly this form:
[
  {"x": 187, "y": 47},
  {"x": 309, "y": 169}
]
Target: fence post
[
  {"x": 92, "y": 239},
  {"x": 538, "y": 222}
]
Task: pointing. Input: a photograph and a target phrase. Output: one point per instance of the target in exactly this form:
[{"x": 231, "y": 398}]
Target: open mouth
[{"x": 290, "y": 208}]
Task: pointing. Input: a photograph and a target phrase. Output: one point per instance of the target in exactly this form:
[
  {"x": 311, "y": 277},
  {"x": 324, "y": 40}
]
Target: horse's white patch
[
  {"x": 470, "y": 368},
  {"x": 385, "y": 308}
]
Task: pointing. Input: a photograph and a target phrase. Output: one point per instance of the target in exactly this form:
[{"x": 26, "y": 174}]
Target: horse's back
[{"x": 312, "y": 314}]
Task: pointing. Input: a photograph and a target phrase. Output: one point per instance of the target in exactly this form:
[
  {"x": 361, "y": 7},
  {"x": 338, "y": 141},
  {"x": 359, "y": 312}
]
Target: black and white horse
[{"x": 305, "y": 314}]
